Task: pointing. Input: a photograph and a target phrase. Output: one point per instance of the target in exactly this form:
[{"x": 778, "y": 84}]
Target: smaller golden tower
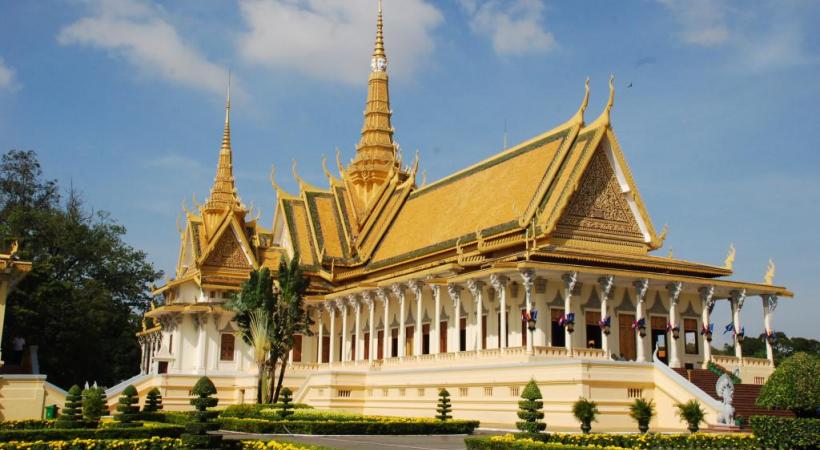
[{"x": 376, "y": 153}]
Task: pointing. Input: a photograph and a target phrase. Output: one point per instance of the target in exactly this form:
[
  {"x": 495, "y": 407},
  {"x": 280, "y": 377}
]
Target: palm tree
[{"x": 259, "y": 334}]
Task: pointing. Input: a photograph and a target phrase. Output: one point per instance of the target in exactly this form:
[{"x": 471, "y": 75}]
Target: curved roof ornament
[
  {"x": 280, "y": 193},
  {"x": 196, "y": 203},
  {"x": 604, "y": 118},
  {"x": 339, "y": 162},
  {"x": 579, "y": 116}
]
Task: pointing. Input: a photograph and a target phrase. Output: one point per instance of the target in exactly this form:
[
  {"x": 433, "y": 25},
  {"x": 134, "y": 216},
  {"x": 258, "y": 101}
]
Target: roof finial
[
  {"x": 226, "y": 135},
  {"x": 379, "y": 61},
  {"x": 604, "y": 118},
  {"x": 579, "y": 116}
]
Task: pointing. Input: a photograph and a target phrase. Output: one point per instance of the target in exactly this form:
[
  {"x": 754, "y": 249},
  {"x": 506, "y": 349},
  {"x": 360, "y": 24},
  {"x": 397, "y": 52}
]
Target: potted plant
[
  {"x": 641, "y": 412},
  {"x": 692, "y": 413},
  {"x": 585, "y": 411}
]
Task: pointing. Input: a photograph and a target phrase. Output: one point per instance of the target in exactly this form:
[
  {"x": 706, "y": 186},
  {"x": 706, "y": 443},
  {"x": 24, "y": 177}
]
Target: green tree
[
  {"x": 585, "y": 411},
  {"x": 128, "y": 407},
  {"x": 290, "y": 317},
  {"x": 196, "y": 433},
  {"x": 153, "y": 401},
  {"x": 72, "y": 415},
  {"x": 87, "y": 286},
  {"x": 286, "y": 410},
  {"x": 443, "y": 408},
  {"x": 531, "y": 410},
  {"x": 254, "y": 307},
  {"x": 93, "y": 404},
  {"x": 794, "y": 385}
]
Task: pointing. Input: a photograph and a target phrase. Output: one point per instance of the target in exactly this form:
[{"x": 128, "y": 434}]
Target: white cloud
[
  {"x": 7, "y": 80},
  {"x": 140, "y": 33},
  {"x": 703, "y": 22},
  {"x": 176, "y": 162},
  {"x": 514, "y": 26},
  {"x": 332, "y": 39}
]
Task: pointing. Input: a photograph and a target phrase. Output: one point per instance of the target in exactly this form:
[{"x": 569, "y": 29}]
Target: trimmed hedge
[
  {"x": 251, "y": 410},
  {"x": 652, "y": 440},
  {"x": 155, "y": 443},
  {"x": 27, "y": 424},
  {"x": 106, "y": 432},
  {"x": 509, "y": 442},
  {"x": 786, "y": 432},
  {"x": 414, "y": 426}
]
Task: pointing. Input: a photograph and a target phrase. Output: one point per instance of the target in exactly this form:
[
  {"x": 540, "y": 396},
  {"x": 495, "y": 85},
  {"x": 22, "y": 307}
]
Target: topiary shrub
[
  {"x": 794, "y": 386},
  {"x": 692, "y": 413},
  {"x": 531, "y": 410},
  {"x": 585, "y": 411},
  {"x": 641, "y": 411},
  {"x": 786, "y": 432},
  {"x": 196, "y": 433},
  {"x": 286, "y": 409},
  {"x": 153, "y": 401},
  {"x": 444, "y": 407},
  {"x": 72, "y": 415},
  {"x": 128, "y": 408},
  {"x": 94, "y": 404}
]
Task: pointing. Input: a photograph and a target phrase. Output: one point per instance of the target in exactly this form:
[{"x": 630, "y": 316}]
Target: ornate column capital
[
  {"x": 606, "y": 283},
  {"x": 475, "y": 287},
  {"x": 454, "y": 291},
  {"x": 569, "y": 279},
  {"x": 415, "y": 286},
  {"x": 381, "y": 294},
  {"x": 707, "y": 296},
  {"x": 769, "y": 302},
  {"x": 398, "y": 290},
  {"x": 499, "y": 282},
  {"x": 641, "y": 286},
  {"x": 674, "y": 289},
  {"x": 367, "y": 299},
  {"x": 529, "y": 277},
  {"x": 354, "y": 302},
  {"x": 436, "y": 289},
  {"x": 341, "y": 305},
  {"x": 738, "y": 297}
]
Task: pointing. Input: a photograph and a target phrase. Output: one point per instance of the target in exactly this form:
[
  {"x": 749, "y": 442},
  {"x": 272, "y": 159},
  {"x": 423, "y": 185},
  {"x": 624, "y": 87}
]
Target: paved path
[{"x": 435, "y": 442}]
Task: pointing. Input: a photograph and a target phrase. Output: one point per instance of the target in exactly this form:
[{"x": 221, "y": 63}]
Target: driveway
[{"x": 368, "y": 442}]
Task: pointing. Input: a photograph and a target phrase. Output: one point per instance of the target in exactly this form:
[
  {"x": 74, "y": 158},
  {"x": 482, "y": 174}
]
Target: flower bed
[
  {"x": 252, "y": 410},
  {"x": 155, "y": 443},
  {"x": 512, "y": 443},
  {"x": 652, "y": 440},
  {"x": 786, "y": 432},
  {"x": 364, "y": 426},
  {"x": 27, "y": 424},
  {"x": 104, "y": 432}
]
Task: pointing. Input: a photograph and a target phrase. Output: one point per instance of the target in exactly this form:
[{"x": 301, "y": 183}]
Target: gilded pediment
[{"x": 228, "y": 253}]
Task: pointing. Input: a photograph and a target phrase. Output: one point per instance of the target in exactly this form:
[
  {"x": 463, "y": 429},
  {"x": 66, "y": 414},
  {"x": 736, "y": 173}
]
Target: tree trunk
[
  {"x": 274, "y": 357},
  {"x": 281, "y": 378},
  {"x": 259, "y": 383}
]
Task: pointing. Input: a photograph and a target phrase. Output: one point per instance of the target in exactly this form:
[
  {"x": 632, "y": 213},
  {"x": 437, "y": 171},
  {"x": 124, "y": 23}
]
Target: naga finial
[
  {"x": 328, "y": 175},
  {"x": 179, "y": 224},
  {"x": 196, "y": 203},
  {"x": 579, "y": 116},
  {"x": 659, "y": 239},
  {"x": 14, "y": 247},
  {"x": 604, "y": 118},
  {"x": 769, "y": 277},
  {"x": 339, "y": 161},
  {"x": 729, "y": 262},
  {"x": 424, "y": 178}
]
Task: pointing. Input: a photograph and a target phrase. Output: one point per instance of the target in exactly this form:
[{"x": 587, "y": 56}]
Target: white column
[
  {"x": 605, "y": 283},
  {"x": 331, "y": 306},
  {"x": 357, "y": 308},
  {"x": 569, "y": 279},
  {"x": 416, "y": 287},
  {"x": 454, "y": 291},
  {"x": 435, "y": 331},
  {"x": 476, "y": 290},
  {"x": 737, "y": 297},
  {"x": 177, "y": 333},
  {"x": 707, "y": 300},
  {"x": 215, "y": 342},
  {"x": 141, "y": 340},
  {"x": 769, "y": 305},
  {"x": 320, "y": 334},
  {"x": 674, "y": 290},
  {"x": 641, "y": 286},
  {"x": 342, "y": 305},
  {"x": 499, "y": 283},
  {"x": 371, "y": 340},
  {"x": 386, "y": 337},
  {"x": 201, "y": 321},
  {"x": 398, "y": 291},
  {"x": 529, "y": 277}
]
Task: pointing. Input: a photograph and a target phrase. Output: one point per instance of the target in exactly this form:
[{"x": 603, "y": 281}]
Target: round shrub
[{"x": 794, "y": 386}]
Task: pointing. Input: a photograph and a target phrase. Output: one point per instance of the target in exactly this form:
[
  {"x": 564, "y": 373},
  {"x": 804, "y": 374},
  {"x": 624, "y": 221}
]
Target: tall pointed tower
[
  {"x": 223, "y": 196},
  {"x": 376, "y": 154}
]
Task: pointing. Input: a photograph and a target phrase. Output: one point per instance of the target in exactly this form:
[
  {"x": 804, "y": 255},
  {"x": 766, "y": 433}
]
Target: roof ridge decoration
[
  {"x": 281, "y": 194},
  {"x": 604, "y": 120}
]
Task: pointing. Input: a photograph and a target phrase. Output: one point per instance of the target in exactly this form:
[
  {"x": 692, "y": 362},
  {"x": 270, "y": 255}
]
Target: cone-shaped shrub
[
  {"x": 196, "y": 434},
  {"x": 531, "y": 410},
  {"x": 444, "y": 408},
  {"x": 286, "y": 409},
  {"x": 153, "y": 401},
  {"x": 93, "y": 404},
  {"x": 72, "y": 416},
  {"x": 128, "y": 408}
]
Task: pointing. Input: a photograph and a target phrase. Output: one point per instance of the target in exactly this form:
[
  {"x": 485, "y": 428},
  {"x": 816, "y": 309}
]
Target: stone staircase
[{"x": 745, "y": 394}]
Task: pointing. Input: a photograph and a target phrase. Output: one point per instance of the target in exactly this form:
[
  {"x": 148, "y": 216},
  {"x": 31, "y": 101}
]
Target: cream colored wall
[{"x": 24, "y": 396}]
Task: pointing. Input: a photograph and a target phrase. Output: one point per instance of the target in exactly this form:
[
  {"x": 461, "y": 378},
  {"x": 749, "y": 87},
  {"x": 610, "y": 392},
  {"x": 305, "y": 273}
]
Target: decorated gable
[
  {"x": 599, "y": 210},
  {"x": 228, "y": 253}
]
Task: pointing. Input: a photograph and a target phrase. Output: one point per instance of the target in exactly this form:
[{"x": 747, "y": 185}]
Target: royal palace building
[{"x": 536, "y": 263}]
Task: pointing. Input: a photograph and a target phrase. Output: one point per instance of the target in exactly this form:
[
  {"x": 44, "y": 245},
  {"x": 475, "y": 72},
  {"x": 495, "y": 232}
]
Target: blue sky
[{"x": 124, "y": 98}]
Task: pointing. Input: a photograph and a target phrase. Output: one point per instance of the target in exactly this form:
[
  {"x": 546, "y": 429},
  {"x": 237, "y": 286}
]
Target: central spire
[
  {"x": 376, "y": 152},
  {"x": 223, "y": 192}
]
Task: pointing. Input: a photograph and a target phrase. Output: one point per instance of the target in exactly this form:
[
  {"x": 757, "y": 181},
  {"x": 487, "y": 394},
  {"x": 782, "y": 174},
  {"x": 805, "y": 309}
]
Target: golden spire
[
  {"x": 223, "y": 192},
  {"x": 376, "y": 151}
]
